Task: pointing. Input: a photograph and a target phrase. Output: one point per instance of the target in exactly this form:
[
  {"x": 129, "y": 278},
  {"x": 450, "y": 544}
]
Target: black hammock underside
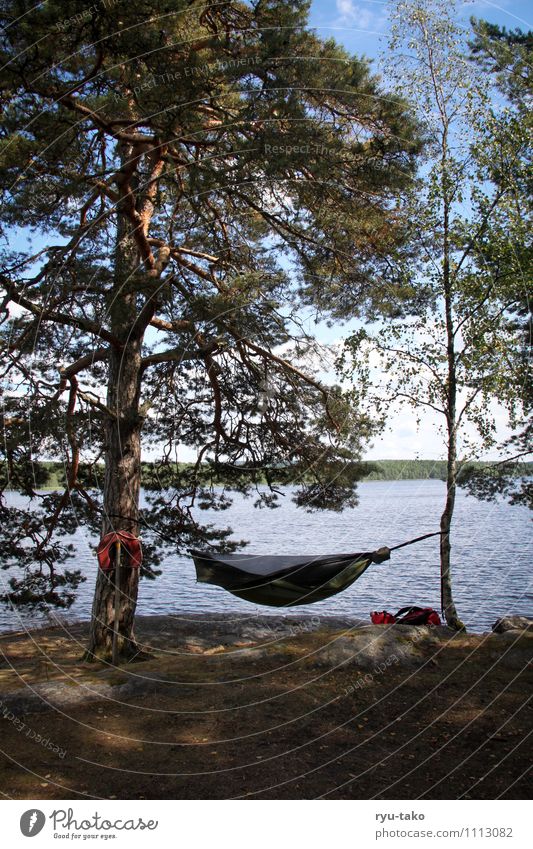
[{"x": 283, "y": 581}]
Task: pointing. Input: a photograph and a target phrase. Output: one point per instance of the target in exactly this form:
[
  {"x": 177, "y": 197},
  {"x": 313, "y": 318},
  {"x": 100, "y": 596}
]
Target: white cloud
[
  {"x": 354, "y": 14},
  {"x": 404, "y": 439},
  {"x": 412, "y": 433}
]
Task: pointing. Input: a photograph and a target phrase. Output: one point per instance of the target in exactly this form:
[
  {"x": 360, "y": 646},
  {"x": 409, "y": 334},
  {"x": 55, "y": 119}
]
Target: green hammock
[{"x": 284, "y": 581}]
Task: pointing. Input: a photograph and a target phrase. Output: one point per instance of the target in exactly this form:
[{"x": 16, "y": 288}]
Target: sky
[
  {"x": 362, "y": 28},
  {"x": 361, "y": 25}
]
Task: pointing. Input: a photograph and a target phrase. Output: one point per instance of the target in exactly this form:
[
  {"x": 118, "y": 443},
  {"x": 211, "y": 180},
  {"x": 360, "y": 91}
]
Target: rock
[
  {"x": 206, "y": 630},
  {"x": 41, "y": 697},
  {"x": 513, "y": 623},
  {"x": 193, "y": 649},
  {"x": 377, "y": 648},
  {"x": 215, "y": 650}
]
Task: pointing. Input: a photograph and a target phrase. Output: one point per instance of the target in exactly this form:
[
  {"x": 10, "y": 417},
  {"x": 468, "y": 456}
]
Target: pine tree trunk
[
  {"x": 121, "y": 503},
  {"x": 122, "y": 480}
]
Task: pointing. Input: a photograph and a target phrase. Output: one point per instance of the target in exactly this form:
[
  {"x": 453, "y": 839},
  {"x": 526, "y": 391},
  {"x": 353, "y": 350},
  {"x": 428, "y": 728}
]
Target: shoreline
[
  {"x": 215, "y": 621},
  {"x": 219, "y": 621}
]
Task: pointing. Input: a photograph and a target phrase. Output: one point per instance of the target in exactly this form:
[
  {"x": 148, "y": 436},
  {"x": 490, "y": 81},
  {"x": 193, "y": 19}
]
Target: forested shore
[{"x": 51, "y": 475}]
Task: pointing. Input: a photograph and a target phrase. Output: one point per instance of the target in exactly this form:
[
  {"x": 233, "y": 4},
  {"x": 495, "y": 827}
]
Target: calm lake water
[{"x": 491, "y": 557}]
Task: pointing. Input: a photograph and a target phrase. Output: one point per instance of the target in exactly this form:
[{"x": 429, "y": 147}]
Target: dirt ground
[{"x": 266, "y": 714}]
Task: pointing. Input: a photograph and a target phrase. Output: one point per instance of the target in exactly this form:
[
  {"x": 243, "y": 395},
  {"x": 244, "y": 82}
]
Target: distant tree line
[{"x": 52, "y": 475}]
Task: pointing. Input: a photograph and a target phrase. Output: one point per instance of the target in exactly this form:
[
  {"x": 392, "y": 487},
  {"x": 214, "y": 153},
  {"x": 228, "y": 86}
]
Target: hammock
[{"x": 284, "y": 581}]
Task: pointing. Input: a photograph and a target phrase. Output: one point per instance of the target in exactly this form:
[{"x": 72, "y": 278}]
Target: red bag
[
  {"x": 417, "y": 616},
  {"x": 407, "y": 616},
  {"x": 382, "y": 618}
]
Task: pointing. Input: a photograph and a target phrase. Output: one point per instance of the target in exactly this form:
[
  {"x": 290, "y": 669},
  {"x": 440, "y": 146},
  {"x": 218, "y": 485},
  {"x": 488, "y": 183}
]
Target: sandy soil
[{"x": 269, "y": 709}]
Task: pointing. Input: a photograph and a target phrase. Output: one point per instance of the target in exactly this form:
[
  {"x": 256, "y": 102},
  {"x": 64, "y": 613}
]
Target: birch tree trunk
[{"x": 448, "y": 605}]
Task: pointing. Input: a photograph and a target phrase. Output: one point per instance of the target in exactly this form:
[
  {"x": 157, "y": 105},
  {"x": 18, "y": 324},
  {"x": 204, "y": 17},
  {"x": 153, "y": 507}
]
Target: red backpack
[
  {"x": 382, "y": 618},
  {"x": 407, "y": 616}
]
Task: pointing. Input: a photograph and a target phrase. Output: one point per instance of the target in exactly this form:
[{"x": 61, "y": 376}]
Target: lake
[{"x": 491, "y": 556}]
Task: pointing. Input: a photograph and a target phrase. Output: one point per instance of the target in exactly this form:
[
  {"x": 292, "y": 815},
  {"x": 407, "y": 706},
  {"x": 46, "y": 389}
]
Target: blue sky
[{"x": 362, "y": 25}]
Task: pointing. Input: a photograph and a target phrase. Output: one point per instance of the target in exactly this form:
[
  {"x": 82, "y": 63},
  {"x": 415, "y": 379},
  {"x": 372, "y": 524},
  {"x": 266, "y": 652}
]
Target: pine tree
[
  {"x": 505, "y": 155},
  {"x": 193, "y": 172}
]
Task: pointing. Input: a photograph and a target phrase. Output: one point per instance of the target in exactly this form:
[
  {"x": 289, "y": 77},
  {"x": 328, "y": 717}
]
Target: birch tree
[{"x": 455, "y": 351}]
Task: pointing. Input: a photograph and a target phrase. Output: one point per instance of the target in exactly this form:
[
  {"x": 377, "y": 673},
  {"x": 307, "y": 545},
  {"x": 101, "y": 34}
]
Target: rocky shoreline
[{"x": 337, "y": 641}]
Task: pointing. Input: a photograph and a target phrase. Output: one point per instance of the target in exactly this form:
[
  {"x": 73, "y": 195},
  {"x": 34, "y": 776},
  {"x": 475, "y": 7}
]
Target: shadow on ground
[{"x": 268, "y": 708}]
